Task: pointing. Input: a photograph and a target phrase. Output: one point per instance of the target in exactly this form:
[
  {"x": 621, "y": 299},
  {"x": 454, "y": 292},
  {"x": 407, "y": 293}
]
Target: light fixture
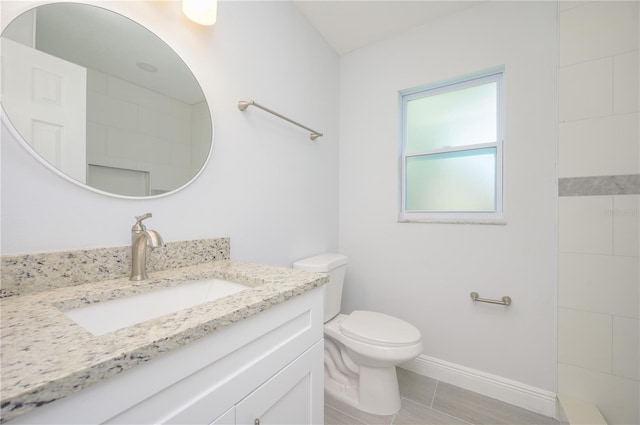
[{"x": 203, "y": 12}]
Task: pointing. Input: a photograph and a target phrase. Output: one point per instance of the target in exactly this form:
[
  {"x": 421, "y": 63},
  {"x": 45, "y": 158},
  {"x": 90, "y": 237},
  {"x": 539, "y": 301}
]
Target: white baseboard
[{"x": 512, "y": 392}]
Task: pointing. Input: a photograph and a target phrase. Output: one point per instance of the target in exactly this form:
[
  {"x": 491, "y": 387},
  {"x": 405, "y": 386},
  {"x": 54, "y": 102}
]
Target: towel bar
[
  {"x": 244, "y": 104},
  {"x": 504, "y": 301}
]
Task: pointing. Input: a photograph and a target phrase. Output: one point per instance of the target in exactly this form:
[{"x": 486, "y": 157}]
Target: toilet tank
[{"x": 336, "y": 266}]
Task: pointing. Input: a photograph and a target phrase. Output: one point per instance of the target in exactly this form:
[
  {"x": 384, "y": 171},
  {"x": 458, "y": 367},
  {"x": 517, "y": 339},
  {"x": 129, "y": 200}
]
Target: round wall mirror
[{"x": 103, "y": 100}]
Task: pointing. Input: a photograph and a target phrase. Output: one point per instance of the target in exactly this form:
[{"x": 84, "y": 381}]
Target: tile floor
[{"x": 427, "y": 401}]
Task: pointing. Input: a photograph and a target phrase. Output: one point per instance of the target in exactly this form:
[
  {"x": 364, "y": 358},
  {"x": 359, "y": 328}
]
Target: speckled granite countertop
[{"x": 46, "y": 356}]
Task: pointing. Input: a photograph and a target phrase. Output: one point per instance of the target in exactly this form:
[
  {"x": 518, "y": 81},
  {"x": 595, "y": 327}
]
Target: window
[{"x": 452, "y": 151}]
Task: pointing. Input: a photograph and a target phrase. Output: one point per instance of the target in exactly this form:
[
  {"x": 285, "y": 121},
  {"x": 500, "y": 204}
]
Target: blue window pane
[
  {"x": 452, "y": 181},
  {"x": 454, "y": 118}
]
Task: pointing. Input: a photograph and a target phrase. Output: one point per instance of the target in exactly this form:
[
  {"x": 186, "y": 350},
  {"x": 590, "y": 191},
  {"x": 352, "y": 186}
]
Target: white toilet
[{"x": 363, "y": 348}]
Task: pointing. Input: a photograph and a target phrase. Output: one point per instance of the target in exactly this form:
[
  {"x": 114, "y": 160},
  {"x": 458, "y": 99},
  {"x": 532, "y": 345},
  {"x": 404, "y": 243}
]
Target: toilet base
[{"x": 374, "y": 390}]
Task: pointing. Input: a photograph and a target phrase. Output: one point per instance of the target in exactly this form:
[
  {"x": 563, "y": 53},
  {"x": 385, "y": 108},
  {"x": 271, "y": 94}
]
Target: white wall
[
  {"x": 421, "y": 272},
  {"x": 599, "y": 282},
  {"x": 267, "y": 186}
]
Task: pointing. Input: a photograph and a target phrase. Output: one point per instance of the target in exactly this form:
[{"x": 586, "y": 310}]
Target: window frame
[{"x": 496, "y": 216}]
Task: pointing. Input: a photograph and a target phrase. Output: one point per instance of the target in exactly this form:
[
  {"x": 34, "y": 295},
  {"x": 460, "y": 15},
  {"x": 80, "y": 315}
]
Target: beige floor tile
[
  {"x": 428, "y": 402},
  {"x": 416, "y": 387},
  {"x": 479, "y": 409},
  {"x": 336, "y": 417},
  {"x": 364, "y": 417},
  {"x": 417, "y": 414}
]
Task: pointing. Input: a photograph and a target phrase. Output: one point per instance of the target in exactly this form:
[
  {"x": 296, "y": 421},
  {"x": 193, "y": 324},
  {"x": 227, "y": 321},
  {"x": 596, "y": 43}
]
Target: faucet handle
[
  {"x": 144, "y": 216},
  {"x": 138, "y": 227}
]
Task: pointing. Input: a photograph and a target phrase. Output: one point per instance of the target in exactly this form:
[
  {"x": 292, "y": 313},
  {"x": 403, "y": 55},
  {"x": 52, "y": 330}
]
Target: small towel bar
[
  {"x": 244, "y": 104},
  {"x": 504, "y": 301}
]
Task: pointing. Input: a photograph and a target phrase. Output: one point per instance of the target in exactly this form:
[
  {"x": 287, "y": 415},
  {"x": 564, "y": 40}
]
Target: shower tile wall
[
  {"x": 134, "y": 128},
  {"x": 599, "y": 207}
]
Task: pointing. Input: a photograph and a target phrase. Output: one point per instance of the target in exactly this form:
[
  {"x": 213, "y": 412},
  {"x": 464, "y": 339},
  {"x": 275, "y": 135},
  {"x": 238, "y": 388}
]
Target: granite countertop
[{"x": 46, "y": 356}]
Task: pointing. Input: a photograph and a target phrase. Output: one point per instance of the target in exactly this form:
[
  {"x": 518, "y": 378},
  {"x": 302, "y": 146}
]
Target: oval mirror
[{"x": 103, "y": 100}]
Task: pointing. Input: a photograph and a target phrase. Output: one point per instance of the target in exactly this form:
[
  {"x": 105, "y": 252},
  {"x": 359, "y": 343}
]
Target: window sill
[{"x": 499, "y": 222}]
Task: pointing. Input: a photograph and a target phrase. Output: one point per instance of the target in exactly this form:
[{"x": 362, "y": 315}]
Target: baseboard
[{"x": 512, "y": 392}]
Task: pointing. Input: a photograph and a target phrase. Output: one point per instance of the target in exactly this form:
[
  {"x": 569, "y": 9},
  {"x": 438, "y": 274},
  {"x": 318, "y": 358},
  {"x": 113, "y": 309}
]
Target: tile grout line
[
  {"x": 434, "y": 394},
  {"x": 613, "y": 233},
  {"x": 445, "y": 413},
  {"x": 435, "y": 410}
]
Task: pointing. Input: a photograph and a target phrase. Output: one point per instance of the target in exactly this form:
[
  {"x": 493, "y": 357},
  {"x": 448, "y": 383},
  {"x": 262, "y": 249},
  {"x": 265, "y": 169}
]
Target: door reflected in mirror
[{"x": 103, "y": 100}]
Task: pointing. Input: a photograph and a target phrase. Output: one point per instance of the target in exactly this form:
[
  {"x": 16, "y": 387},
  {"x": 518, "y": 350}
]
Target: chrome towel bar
[
  {"x": 244, "y": 104},
  {"x": 504, "y": 301}
]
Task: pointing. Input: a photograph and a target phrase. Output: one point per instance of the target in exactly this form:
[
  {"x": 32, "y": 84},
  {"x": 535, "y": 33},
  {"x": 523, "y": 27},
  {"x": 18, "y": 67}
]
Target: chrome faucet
[{"x": 140, "y": 239}]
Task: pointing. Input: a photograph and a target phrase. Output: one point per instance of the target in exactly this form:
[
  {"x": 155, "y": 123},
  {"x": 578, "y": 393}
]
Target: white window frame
[{"x": 488, "y": 217}]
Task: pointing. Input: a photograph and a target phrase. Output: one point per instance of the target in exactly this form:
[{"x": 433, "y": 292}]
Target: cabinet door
[{"x": 294, "y": 396}]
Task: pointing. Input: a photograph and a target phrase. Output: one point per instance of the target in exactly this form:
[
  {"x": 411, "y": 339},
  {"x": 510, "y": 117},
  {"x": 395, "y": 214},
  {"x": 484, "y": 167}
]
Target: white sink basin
[{"x": 109, "y": 316}]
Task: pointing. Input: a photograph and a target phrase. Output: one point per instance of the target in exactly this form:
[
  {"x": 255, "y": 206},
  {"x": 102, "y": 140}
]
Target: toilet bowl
[
  {"x": 369, "y": 354},
  {"x": 363, "y": 348}
]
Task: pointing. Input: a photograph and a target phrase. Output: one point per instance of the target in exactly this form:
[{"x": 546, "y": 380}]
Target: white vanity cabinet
[
  {"x": 266, "y": 369},
  {"x": 286, "y": 398}
]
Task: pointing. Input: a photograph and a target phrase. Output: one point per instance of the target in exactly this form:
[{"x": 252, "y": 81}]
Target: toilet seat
[{"x": 379, "y": 329}]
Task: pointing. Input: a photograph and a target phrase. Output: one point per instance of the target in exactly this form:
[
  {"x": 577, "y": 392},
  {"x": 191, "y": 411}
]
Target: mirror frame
[{"x": 6, "y": 120}]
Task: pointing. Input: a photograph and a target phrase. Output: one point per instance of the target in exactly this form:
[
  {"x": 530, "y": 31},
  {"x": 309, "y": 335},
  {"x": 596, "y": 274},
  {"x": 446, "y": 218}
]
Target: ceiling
[
  {"x": 350, "y": 24},
  {"x": 345, "y": 24}
]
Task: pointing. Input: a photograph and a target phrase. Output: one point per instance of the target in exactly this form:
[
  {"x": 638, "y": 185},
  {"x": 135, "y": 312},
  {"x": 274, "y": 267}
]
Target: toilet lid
[{"x": 378, "y": 328}]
